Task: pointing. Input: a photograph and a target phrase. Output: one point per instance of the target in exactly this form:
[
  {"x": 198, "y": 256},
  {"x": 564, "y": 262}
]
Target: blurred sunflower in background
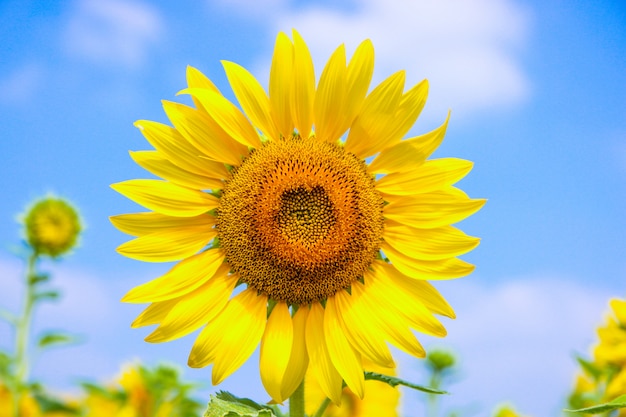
[
  {"x": 52, "y": 226},
  {"x": 380, "y": 400},
  {"x": 302, "y": 221},
  {"x": 603, "y": 378}
]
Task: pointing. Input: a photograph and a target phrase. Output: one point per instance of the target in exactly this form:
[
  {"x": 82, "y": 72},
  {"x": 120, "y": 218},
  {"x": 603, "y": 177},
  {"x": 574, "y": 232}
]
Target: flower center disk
[{"x": 300, "y": 219}]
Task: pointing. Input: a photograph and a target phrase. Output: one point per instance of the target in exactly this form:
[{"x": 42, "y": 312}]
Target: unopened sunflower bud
[
  {"x": 52, "y": 226},
  {"x": 440, "y": 360}
]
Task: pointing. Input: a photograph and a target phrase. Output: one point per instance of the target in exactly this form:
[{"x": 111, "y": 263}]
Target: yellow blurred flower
[
  {"x": 139, "y": 397},
  {"x": 334, "y": 251},
  {"x": 617, "y": 385},
  {"x": 611, "y": 348},
  {"x": 380, "y": 400},
  {"x": 52, "y": 226},
  {"x": 604, "y": 378},
  {"x": 28, "y": 406},
  {"x": 507, "y": 411}
]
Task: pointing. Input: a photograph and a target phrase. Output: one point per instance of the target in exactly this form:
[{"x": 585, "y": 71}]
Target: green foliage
[
  {"x": 394, "y": 382},
  {"x": 164, "y": 384},
  {"x": 48, "y": 404},
  {"x": 53, "y": 339},
  {"x": 224, "y": 404},
  {"x": 617, "y": 403}
]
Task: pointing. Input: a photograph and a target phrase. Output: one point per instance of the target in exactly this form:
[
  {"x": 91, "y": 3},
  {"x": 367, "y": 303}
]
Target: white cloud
[
  {"x": 113, "y": 32},
  {"x": 21, "y": 85},
  {"x": 467, "y": 49},
  {"x": 516, "y": 342}
]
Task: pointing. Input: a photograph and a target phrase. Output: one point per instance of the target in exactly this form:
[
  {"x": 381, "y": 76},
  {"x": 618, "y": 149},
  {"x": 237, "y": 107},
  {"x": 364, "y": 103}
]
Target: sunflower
[{"x": 286, "y": 235}]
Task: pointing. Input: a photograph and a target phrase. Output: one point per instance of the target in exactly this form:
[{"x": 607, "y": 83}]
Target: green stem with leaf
[{"x": 22, "y": 332}]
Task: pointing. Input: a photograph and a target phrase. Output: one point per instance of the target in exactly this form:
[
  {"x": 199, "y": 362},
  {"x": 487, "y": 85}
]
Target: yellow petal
[
  {"x": 303, "y": 88},
  {"x": 408, "y": 154},
  {"x": 204, "y": 132},
  {"x": 619, "y": 309},
  {"x": 168, "y": 245},
  {"x": 276, "y": 347},
  {"x": 359, "y": 76},
  {"x": 183, "y": 278},
  {"x": 419, "y": 289},
  {"x": 228, "y": 345},
  {"x": 431, "y": 270},
  {"x": 140, "y": 224},
  {"x": 252, "y": 98},
  {"x": 196, "y": 79},
  {"x": 403, "y": 305},
  {"x": 330, "y": 99},
  {"x": 439, "y": 208},
  {"x": 363, "y": 334},
  {"x": 430, "y": 176},
  {"x": 392, "y": 326},
  {"x": 157, "y": 164},
  {"x": 196, "y": 308},
  {"x": 154, "y": 313},
  {"x": 345, "y": 359},
  {"x": 409, "y": 109},
  {"x": 227, "y": 116},
  {"x": 298, "y": 359},
  {"x": 428, "y": 244},
  {"x": 167, "y": 198},
  {"x": 281, "y": 75},
  {"x": 376, "y": 116},
  {"x": 320, "y": 363},
  {"x": 169, "y": 142}
]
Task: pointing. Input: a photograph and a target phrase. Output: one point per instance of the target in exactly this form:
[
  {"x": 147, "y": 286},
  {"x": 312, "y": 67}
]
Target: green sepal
[
  {"x": 589, "y": 367},
  {"x": 619, "y": 402},
  {"x": 51, "y": 339},
  {"x": 394, "y": 382},
  {"x": 225, "y": 404}
]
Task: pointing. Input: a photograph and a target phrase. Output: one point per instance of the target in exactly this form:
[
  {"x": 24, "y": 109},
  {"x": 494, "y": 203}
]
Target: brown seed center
[{"x": 300, "y": 220}]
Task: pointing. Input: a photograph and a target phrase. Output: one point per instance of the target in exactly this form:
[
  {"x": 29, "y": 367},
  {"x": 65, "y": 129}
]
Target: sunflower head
[
  {"x": 311, "y": 200},
  {"x": 52, "y": 226}
]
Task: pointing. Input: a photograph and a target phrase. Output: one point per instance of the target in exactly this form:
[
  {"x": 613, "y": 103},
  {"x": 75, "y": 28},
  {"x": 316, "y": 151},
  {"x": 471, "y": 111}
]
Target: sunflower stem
[
  {"x": 296, "y": 402},
  {"x": 22, "y": 331}
]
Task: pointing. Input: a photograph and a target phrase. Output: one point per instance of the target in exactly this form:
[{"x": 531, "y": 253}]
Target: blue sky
[{"x": 538, "y": 97}]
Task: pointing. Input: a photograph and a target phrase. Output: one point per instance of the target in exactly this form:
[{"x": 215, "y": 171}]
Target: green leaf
[
  {"x": 37, "y": 278},
  {"x": 47, "y": 295},
  {"x": 7, "y": 316},
  {"x": 394, "y": 382},
  {"x": 225, "y": 404},
  {"x": 619, "y": 402},
  {"x": 54, "y": 339},
  {"x": 48, "y": 404}
]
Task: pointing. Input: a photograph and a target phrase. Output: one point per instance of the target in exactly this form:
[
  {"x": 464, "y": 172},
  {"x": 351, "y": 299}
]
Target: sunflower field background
[{"x": 537, "y": 93}]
